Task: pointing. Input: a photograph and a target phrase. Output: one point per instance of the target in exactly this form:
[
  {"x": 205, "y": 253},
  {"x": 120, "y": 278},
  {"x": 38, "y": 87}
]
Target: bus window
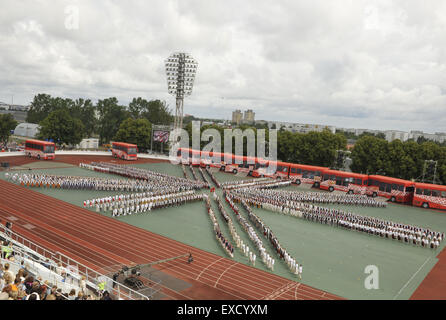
[
  {"x": 388, "y": 187},
  {"x": 339, "y": 181},
  {"x": 409, "y": 189},
  {"x": 435, "y": 193},
  {"x": 285, "y": 169},
  {"x": 394, "y": 186},
  {"x": 279, "y": 168},
  {"x": 358, "y": 182},
  {"x": 427, "y": 192},
  {"x": 365, "y": 182},
  {"x": 299, "y": 171},
  {"x": 326, "y": 176},
  {"x": 317, "y": 173},
  {"x": 49, "y": 149},
  {"x": 418, "y": 191},
  {"x": 401, "y": 187},
  {"x": 305, "y": 174},
  {"x": 346, "y": 182},
  {"x": 443, "y": 194},
  {"x": 293, "y": 170}
]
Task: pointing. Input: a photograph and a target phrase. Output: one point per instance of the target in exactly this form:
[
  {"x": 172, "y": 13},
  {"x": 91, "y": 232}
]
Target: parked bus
[
  {"x": 124, "y": 151},
  {"x": 429, "y": 196},
  {"x": 302, "y": 173},
  {"x": 397, "y": 190},
  {"x": 40, "y": 149},
  {"x": 352, "y": 183}
]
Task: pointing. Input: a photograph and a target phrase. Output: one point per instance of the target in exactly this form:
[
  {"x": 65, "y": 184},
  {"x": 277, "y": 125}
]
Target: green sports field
[{"x": 333, "y": 259}]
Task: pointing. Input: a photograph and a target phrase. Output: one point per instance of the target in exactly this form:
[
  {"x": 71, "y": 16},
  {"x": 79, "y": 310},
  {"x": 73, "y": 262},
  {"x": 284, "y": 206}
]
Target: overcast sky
[{"x": 352, "y": 63}]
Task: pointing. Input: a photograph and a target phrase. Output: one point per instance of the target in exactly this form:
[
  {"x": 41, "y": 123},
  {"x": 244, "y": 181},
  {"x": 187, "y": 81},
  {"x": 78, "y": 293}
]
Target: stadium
[
  {"x": 173, "y": 249},
  {"x": 189, "y": 155}
]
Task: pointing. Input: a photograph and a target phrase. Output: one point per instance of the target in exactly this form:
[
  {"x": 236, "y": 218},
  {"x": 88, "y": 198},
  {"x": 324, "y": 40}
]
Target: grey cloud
[{"x": 347, "y": 63}]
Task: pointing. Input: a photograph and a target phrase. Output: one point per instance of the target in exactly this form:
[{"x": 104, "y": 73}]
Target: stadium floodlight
[{"x": 180, "y": 71}]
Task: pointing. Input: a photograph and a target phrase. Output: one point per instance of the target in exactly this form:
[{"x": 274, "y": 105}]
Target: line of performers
[
  {"x": 183, "y": 167},
  {"x": 95, "y": 183},
  {"x": 268, "y": 233},
  {"x": 386, "y": 229},
  {"x": 144, "y": 174},
  {"x": 139, "y": 202},
  {"x": 244, "y": 248},
  {"x": 290, "y": 198},
  {"x": 213, "y": 178},
  {"x": 227, "y": 246},
  {"x": 205, "y": 178},
  {"x": 234, "y": 183},
  {"x": 191, "y": 168},
  {"x": 266, "y": 258}
]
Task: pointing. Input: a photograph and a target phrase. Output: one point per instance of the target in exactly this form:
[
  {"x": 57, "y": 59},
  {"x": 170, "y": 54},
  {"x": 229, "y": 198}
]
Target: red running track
[
  {"x": 433, "y": 286},
  {"x": 100, "y": 242}
]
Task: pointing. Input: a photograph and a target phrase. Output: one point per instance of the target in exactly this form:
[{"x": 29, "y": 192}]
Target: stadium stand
[{"x": 31, "y": 272}]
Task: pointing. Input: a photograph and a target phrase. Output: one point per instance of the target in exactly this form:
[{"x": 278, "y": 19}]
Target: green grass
[{"x": 333, "y": 259}]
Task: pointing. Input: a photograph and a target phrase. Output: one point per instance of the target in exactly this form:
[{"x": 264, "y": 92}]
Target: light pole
[{"x": 180, "y": 71}]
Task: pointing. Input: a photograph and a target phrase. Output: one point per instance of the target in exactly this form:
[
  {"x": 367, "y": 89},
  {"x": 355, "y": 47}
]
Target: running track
[{"x": 100, "y": 242}]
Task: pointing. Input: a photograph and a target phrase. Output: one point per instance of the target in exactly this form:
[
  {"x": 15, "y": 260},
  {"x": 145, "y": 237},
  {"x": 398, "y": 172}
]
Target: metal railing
[{"x": 74, "y": 270}]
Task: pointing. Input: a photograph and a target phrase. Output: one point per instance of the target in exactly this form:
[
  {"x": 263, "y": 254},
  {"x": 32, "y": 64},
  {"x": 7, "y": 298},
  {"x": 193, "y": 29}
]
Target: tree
[
  {"x": 369, "y": 155},
  {"x": 7, "y": 123},
  {"x": 44, "y": 104},
  {"x": 137, "y": 106},
  {"x": 158, "y": 113},
  {"x": 85, "y": 111},
  {"x": 111, "y": 115},
  {"x": 136, "y": 131},
  {"x": 61, "y": 127}
]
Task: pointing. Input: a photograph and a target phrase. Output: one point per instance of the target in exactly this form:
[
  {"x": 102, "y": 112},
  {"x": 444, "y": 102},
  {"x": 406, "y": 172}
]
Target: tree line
[
  {"x": 404, "y": 160},
  {"x": 68, "y": 121}
]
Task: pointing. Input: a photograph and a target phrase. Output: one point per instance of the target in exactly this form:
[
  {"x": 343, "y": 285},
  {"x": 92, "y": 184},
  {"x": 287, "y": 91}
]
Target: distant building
[
  {"x": 29, "y": 130},
  {"x": 300, "y": 127},
  {"x": 249, "y": 117},
  {"x": 395, "y": 134},
  {"x": 237, "y": 117}
]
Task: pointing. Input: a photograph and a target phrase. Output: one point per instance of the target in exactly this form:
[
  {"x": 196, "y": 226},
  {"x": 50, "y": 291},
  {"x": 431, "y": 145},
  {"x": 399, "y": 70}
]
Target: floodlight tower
[{"x": 180, "y": 70}]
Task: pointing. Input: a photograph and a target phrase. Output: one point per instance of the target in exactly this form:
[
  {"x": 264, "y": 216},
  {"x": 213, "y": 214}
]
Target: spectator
[
  {"x": 8, "y": 275},
  {"x": 13, "y": 295},
  {"x": 60, "y": 270},
  {"x": 59, "y": 295},
  {"x": 105, "y": 296},
  {"x": 28, "y": 284},
  {"x": 15, "y": 286},
  {"x": 50, "y": 297},
  {"x": 72, "y": 295},
  {"x": 83, "y": 285},
  {"x": 80, "y": 296},
  {"x": 43, "y": 291}
]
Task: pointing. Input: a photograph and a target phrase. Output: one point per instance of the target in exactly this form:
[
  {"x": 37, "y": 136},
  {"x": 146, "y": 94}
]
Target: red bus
[
  {"x": 307, "y": 174},
  {"x": 429, "y": 196},
  {"x": 352, "y": 183},
  {"x": 124, "y": 151},
  {"x": 40, "y": 149},
  {"x": 397, "y": 190}
]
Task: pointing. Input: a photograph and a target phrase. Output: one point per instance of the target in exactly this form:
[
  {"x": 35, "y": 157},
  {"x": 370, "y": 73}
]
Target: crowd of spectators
[{"x": 23, "y": 285}]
